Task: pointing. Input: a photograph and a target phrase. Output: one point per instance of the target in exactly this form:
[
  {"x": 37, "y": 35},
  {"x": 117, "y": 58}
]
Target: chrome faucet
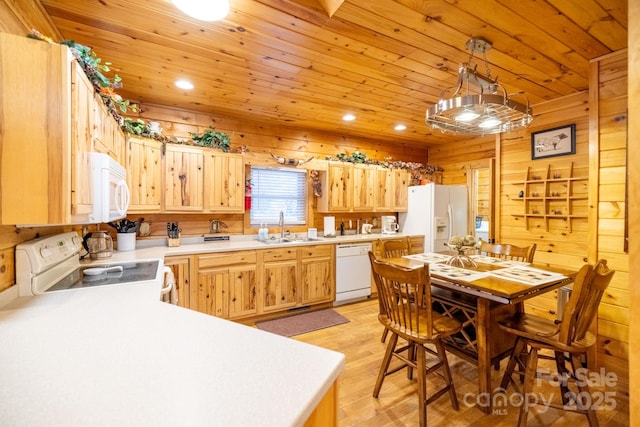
[{"x": 281, "y": 224}]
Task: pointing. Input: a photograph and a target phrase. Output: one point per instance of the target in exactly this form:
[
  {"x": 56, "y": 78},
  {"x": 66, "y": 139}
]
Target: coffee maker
[{"x": 389, "y": 224}]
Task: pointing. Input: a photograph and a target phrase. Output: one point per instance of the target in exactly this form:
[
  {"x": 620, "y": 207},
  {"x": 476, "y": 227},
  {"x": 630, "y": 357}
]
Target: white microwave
[{"x": 111, "y": 195}]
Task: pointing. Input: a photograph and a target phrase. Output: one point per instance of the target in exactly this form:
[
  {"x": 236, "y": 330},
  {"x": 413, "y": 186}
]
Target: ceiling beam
[{"x": 330, "y": 6}]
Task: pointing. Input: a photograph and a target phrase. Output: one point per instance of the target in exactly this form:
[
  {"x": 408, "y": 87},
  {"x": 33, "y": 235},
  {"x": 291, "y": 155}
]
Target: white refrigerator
[{"x": 436, "y": 211}]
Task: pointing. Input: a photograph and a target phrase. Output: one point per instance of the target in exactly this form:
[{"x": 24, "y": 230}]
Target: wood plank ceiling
[{"x": 305, "y": 63}]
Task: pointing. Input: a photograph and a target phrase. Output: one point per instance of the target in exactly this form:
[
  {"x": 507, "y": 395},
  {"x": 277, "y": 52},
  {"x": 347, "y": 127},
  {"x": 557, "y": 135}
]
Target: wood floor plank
[{"x": 397, "y": 404}]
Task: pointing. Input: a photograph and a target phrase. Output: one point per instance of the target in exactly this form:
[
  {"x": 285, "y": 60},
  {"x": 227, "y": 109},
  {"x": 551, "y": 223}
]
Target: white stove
[{"x": 52, "y": 263}]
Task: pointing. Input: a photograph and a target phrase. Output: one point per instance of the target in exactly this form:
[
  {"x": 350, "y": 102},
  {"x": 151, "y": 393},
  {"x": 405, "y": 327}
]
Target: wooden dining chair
[
  {"x": 406, "y": 312},
  {"x": 569, "y": 339},
  {"x": 508, "y": 251},
  {"x": 392, "y": 248}
]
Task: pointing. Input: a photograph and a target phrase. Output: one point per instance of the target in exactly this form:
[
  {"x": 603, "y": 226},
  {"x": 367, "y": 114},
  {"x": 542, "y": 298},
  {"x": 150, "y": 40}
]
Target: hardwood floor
[{"x": 359, "y": 340}]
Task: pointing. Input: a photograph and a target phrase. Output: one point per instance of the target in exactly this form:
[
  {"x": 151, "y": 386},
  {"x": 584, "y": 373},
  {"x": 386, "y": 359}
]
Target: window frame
[{"x": 303, "y": 199}]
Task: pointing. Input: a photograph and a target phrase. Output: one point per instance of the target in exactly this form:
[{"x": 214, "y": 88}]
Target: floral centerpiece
[{"x": 461, "y": 245}]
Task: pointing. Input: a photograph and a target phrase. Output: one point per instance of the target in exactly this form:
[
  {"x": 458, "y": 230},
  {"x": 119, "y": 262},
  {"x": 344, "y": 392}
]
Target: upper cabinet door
[
  {"x": 364, "y": 185},
  {"x": 184, "y": 179},
  {"x": 337, "y": 188},
  {"x": 108, "y": 138},
  {"x": 144, "y": 174},
  {"x": 384, "y": 189},
  {"x": 82, "y": 112},
  {"x": 224, "y": 182},
  {"x": 401, "y": 178}
]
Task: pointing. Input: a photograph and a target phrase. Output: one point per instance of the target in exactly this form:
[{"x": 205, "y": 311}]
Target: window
[{"x": 278, "y": 189}]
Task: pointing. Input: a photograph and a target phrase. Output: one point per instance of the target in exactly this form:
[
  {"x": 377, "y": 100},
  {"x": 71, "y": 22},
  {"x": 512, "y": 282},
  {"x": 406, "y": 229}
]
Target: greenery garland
[
  {"x": 416, "y": 169},
  {"x": 96, "y": 70}
]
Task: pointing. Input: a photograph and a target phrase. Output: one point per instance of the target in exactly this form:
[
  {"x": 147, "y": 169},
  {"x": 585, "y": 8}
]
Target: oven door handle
[{"x": 168, "y": 292}]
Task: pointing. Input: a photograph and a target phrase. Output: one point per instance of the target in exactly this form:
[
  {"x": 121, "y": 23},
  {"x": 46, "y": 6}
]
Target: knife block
[{"x": 173, "y": 242}]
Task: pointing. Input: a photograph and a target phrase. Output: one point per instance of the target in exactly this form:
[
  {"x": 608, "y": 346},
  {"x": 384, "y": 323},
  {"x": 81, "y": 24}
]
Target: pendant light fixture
[
  {"x": 204, "y": 10},
  {"x": 478, "y": 104}
]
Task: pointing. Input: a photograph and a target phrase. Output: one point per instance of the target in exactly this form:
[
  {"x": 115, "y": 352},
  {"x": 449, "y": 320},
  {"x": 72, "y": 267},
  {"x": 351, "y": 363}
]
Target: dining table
[{"x": 479, "y": 294}]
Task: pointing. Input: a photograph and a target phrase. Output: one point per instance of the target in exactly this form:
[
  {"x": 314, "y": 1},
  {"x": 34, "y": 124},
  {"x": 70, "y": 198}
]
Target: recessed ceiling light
[
  {"x": 184, "y": 84},
  {"x": 400, "y": 127},
  {"x": 348, "y": 117},
  {"x": 210, "y": 10}
]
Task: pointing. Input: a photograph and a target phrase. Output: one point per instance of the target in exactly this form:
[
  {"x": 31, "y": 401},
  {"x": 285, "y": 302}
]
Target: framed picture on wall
[{"x": 558, "y": 141}]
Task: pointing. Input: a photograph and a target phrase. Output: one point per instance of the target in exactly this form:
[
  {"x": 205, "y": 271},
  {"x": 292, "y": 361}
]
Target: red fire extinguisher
[{"x": 247, "y": 196}]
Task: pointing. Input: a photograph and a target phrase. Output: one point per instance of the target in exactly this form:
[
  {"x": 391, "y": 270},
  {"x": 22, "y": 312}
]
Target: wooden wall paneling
[
  {"x": 614, "y": 348},
  {"x": 608, "y": 174},
  {"x": 260, "y": 137}
]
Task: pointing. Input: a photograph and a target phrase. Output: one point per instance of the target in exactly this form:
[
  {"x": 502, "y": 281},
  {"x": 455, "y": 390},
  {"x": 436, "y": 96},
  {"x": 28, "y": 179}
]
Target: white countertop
[
  {"x": 194, "y": 245},
  {"x": 116, "y": 355}
]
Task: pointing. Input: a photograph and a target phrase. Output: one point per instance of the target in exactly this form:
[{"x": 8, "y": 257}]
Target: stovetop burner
[{"x": 132, "y": 272}]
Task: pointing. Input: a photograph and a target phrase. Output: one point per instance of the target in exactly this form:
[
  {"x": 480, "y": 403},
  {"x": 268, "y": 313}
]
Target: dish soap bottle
[{"x": 263, "y": 232}]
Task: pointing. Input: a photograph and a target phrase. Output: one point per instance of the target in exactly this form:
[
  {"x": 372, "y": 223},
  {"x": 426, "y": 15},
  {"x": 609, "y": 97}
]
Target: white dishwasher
[{"x": 353, "y": 272}]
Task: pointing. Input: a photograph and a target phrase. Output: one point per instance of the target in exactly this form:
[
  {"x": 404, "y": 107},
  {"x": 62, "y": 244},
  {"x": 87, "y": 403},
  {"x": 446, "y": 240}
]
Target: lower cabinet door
[
  {"x": 241, "y": 297},
  {"x": 317, "y": 280},
  {"x": 209, "y": 296},
  {"x": 279, "y": 285}
]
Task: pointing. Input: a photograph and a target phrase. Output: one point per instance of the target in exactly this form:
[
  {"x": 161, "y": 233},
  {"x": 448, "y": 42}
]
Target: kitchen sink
[{"x": 283, "y": 240}]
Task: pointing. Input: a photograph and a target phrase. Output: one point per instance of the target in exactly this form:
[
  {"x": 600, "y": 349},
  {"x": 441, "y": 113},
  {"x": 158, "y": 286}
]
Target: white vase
[{"x": 126, "y": 242}]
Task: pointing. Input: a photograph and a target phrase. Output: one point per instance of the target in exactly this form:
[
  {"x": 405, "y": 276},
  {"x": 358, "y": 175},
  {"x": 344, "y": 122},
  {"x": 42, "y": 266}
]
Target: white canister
[{"x": 126, "y": 242}]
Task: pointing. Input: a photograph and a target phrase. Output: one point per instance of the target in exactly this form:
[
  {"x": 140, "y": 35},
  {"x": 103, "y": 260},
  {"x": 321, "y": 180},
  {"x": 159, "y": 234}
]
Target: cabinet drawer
[
  {"x": 316, "y": 251},
  {"x": 226, "y": 258},
  {"x": 279, "y": 254}
]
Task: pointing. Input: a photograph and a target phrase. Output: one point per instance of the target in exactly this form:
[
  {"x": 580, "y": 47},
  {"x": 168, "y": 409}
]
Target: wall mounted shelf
[{"x": 552, "y": 195}]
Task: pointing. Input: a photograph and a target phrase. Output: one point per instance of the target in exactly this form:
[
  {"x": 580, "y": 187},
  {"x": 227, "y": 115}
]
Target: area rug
[{"x": 303, "y": 323}]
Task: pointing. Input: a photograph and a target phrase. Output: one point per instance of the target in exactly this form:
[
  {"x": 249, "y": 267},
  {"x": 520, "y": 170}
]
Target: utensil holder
[{"x": 126, "y": 241}]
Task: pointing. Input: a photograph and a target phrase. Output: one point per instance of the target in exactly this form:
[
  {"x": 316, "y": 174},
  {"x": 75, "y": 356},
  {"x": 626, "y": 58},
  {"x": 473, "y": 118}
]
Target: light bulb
[
  {"x": 489, "y": 122},
  {"x": 467, "y": 116},
  {"x": 209, "y": 10}
]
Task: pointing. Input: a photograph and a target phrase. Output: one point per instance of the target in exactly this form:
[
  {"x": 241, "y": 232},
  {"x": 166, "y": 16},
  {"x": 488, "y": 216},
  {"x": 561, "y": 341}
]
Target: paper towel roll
[{"x": 329, "y": 226}]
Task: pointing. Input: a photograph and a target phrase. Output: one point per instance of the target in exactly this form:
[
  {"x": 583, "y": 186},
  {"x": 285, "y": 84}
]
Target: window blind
[{"x": 278, "y": 189}]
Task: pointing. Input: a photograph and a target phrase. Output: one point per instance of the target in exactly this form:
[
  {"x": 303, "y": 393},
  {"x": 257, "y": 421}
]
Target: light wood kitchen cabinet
[
  {"x": 384, "y": 193},
  {"x": 401, "y": 179},
  {"x": 224, "y": 182},
  {"x": 226, "y": 284},
  {"x": 37, "y": 112},
  {"x": 49, "y": 116},
  {"x": 183, "y": 179},
  {"x": 243, "y": 284},
  {"x": 391, "y": 189},
  {"x": 82, "y": 101},
  {"x": 348, "y": 187},
  {"x": 144, "y": 174},
  {"x": 337, "y": 188},
  {"x": 364, "y": 185},
  {"x": 108, "y": 137},
  {"x": 279, "y": 279},
  {"x": 181, "y": 267},
  {"x": 317, "y": 273}
]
